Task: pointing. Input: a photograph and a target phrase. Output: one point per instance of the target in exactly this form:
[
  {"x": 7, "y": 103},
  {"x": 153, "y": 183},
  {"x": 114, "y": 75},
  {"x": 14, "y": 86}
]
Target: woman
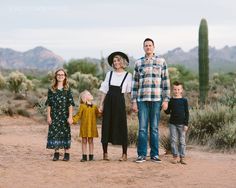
[
  {"x": 59, "y": 115},
  {"x": 114, "y": 123}
]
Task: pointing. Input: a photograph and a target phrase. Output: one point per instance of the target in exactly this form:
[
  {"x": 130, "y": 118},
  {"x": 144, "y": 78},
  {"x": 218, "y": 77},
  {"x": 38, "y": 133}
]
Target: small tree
[
  {"x": 85, "y": 81},
  {"x": 82, "y": 66},
  {"x": 27, "y": 86},
  {"x": 174, "y": 74},
  {"x": 15, "y": 80}
]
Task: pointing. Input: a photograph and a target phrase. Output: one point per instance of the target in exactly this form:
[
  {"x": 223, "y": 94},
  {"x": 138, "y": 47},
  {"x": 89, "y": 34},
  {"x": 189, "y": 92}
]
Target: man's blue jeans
[{"x": 148, "y": 113}]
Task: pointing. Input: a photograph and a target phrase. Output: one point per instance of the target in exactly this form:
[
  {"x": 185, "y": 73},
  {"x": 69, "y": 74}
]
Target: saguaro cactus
[{"x": 203, "y": 61}]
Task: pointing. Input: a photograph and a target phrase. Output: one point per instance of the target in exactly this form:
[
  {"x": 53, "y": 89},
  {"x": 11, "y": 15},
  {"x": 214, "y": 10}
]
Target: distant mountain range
[
  {"x": 38, "y": 58},
  {"x": 220, "y": 60},
  {"x": 42, "y": 59}
]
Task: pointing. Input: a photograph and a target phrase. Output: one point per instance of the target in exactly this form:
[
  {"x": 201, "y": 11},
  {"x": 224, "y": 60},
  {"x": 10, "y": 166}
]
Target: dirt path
[{"x": 24, "y": 162}]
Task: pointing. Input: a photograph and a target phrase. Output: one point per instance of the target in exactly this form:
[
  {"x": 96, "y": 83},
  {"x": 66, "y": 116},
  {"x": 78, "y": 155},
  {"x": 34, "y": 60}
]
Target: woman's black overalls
[{"x": 114, "y": 123}]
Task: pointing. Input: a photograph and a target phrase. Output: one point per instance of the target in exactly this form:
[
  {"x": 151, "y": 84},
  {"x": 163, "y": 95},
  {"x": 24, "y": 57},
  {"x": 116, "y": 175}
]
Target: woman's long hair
[{"x": 55, "y": 82}]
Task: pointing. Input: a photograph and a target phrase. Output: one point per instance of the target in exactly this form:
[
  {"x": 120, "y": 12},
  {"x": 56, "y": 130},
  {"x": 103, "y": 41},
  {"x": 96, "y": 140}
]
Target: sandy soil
[{"x": 24, "y": 162}]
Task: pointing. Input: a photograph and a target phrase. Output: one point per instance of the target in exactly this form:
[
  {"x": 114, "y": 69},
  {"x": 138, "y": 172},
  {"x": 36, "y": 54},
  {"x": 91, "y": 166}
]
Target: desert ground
[{"x": 25, "y": 162}]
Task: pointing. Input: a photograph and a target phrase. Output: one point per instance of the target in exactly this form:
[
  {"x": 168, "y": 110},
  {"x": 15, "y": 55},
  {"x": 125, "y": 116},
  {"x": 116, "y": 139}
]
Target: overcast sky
[{"x": 89, "y": 28}]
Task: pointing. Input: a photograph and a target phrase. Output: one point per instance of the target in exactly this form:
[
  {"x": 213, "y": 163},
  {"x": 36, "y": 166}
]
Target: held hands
[
  {"x": 165, "y": 105},
  {"x": 134, "y": 107},
  {"x": 100, "y": 109},
  {"x": 70, "y": 120}
]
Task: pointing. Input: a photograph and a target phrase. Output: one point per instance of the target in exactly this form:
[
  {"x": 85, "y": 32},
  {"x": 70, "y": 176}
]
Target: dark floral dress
[{"x": 59, "y": 134}]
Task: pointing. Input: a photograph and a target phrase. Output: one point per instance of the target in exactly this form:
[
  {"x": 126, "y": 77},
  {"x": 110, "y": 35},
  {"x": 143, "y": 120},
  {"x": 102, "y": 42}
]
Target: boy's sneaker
[
  {"x": 182, "y": 161},
  {"x": 155, "y": 159},
  {"x": 140, "y": 159},
  {"x": 174, "y": 160}
]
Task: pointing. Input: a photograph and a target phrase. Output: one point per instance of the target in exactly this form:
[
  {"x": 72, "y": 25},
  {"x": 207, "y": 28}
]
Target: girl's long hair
[{"x": 55, "y": 82}]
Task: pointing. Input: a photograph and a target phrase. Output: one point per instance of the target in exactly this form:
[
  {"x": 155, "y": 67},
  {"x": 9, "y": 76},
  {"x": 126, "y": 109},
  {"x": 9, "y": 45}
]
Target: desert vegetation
[
  {"x": 212, "y": 98},
  {"x": 212, "y": 126}
]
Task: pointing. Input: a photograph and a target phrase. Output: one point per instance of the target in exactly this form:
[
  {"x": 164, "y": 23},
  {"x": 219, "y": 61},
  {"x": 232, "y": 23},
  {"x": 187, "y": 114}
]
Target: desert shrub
[
  {"x": 165, "y": 142},
  {"x": 6, "y": 109},
  {"x": 2, "y": 82},
  {"x": 46, "y": 80},
  {"x": 85, "y": 81},
  {"x": 191, "y": 85},
  {"x": 36, "y": 83},
  {"x": 225, "y": 139},
  {"x": 15, "y": 80},
  {"x": 73, "y": 83},
  {"x": 228, "y": 97},
  {"x": 204, "y": 123},
  {"x": 83, "y": 66},
  {"x": 27, "y": 86},
  {"x": 32, "y": 100},
  {"x": 225, "y": 79},
  {"x": 182, "y": 74},
  {"x": 128, "y": 104},
  {"x": 132, "y": 131},
  {"x": 23, "y": 112},
  {"x": 19, "y": 96},
  {"x": 174, "y": 74},
  {"x": 40, "y": 106}
]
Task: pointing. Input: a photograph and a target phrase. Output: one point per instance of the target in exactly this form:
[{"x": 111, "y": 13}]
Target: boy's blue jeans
[
  {"x": 177, "y": 140},
  {"x": 148, "y": 113}
]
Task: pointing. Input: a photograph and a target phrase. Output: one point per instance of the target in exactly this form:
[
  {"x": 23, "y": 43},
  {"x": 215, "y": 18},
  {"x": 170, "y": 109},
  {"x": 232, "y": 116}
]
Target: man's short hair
[{"x": 148, "y": 39}]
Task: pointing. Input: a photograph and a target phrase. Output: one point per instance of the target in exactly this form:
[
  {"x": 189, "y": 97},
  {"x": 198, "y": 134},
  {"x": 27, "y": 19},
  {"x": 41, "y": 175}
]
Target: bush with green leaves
[
  {"x": 18, "y": 82},
  {"x": 225, "y": 138},
  {"x": 82, "y": 66},
  {"x": 182, "y": 74},
  {"x": 27, "y": 86},
  {"x": 84, "y": 81},
  {"x": 174, "y": 74},
  {"x": 229, "y": 96},
  {"x": 47, "y": 79},
  {"x": 206, "y": 122},
  {"x": 15, "y": 80}
]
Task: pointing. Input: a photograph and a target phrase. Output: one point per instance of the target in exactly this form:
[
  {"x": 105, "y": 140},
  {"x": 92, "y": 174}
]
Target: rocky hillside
[
  {"x": 223, "y": 60},
  {"x": 42, "y": 59},
  {"x": 38, "y": 58}
]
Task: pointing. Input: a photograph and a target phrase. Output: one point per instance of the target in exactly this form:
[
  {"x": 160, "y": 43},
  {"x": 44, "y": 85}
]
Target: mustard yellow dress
[{"x": 87, "y": 114}]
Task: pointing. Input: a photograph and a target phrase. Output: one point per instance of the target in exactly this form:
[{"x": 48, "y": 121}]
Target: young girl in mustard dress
[{"x": 87, "y": 114}]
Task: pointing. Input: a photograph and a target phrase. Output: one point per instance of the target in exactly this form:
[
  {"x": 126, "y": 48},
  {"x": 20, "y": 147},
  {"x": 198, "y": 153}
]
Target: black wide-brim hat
[{"x": 112, "y": 55}]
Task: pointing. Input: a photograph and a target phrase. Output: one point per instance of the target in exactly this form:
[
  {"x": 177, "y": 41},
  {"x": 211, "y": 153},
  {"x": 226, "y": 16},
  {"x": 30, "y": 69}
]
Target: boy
[{"x": 178, "y": 123}]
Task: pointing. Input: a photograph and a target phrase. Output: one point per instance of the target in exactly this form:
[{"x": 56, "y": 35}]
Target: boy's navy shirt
[{"x": 178, "y": 110}]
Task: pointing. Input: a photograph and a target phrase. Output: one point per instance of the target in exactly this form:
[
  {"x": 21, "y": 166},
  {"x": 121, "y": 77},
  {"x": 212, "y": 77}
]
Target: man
[{"x": 150, "y": 93}]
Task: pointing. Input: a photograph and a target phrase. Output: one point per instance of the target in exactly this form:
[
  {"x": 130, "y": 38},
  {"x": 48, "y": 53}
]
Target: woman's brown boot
[
  {"x": 105, "y": 157},
  {"x": 123, "y": 158}
]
